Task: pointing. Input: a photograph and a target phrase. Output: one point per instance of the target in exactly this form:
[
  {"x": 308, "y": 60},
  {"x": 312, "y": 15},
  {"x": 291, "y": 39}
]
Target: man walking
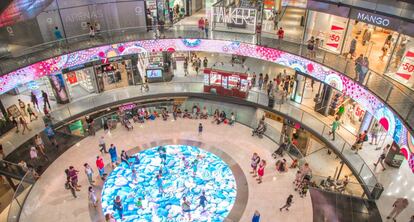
[
  {"x": 102, "y": 145},
  {"x": 399, "y": 205},
  {"x": 335, "y": 126},
  {"x": 289, "y": 202}
]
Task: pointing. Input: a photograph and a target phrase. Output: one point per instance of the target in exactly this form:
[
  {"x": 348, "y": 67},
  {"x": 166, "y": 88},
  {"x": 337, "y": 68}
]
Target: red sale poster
[
  {"x": 406, "y": 68},
  {"x": 335, "y": 36}
]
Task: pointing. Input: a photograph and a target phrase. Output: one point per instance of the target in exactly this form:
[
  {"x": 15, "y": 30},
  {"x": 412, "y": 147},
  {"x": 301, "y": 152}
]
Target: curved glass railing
[
  {"x": 399, "y": 97},
  {"x": 341, "y": 146}
]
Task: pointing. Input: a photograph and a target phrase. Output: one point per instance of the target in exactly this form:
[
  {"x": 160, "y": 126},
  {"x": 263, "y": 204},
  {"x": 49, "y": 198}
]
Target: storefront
[
  {"x": 328, "y": 101},
  {"x": 329, "y": 29},
  {"x": 80, "y": 81},
  {"x": 155, "y": 66},
  {"x": 242, "y": 20},
  {"x": 386, "y": 41},
  {"x": 114, "y": 73}
]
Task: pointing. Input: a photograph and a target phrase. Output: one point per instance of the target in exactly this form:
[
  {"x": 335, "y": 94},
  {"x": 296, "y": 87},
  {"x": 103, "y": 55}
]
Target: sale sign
[
  {"x": 335, "y": 35},
  {"x": 406, "y": 68}
]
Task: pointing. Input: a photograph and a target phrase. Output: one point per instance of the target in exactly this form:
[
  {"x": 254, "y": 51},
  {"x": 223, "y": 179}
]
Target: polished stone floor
[{"x": 49, "y": 197}]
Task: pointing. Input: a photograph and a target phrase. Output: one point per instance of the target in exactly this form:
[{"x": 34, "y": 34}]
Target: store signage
[
  {"x": 238, "y": 16},
  {"x": 375, "y": 19},
  {"x": 336, "y": 34}
]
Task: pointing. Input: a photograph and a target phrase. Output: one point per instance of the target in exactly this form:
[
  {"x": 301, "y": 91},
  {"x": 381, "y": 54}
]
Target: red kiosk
[{"x": 226, "y": 83}]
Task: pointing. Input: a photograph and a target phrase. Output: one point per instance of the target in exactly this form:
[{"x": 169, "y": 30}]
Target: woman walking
[
  {"x": 23, "y": 122},
  {"x": 260, "y": 171},
  {"x": 255, "y": 161},
  {"x": 92, "y": 197},
  {"x": 40, "y": 146}
]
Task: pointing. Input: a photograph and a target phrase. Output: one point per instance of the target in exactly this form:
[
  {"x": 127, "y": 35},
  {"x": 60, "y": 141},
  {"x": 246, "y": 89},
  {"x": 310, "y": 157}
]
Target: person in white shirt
[{"x": 232, "y": 119}]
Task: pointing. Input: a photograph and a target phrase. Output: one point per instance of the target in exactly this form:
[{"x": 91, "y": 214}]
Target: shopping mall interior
[{"x": 206, "y": 110}]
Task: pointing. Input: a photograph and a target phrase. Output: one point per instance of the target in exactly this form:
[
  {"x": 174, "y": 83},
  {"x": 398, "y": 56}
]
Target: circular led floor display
[{"x": 170, "y": 183}]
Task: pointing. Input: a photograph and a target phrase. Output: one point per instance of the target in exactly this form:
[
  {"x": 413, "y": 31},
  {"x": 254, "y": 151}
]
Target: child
[
  {"x": 200, "y": 129},
  {"x": 203, "y": 200},
  {"x": 92, "y": 197},
  {"x": 139, "y": 203}
]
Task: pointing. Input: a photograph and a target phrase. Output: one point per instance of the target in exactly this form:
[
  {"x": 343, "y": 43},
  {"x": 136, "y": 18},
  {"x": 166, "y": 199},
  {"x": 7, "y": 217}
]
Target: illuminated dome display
[{"x": 152, "y": 186}]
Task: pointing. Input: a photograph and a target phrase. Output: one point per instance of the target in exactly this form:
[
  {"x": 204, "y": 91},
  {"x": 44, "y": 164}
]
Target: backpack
[{"x": 366, "y": 138}]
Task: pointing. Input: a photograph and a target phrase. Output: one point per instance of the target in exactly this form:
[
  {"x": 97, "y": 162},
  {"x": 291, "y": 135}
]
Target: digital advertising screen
[{"x": 154, "y": 73}]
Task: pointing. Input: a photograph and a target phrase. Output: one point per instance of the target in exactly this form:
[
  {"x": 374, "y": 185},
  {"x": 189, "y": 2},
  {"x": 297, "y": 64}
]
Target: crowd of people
[{"x": 29, "y": 112}]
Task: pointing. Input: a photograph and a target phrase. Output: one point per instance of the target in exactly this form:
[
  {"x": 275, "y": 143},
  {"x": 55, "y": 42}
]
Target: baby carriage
[
  {"x": 259, "y": 131},
  {"x": 280, "y": 149},
  {"x": 128, "y": 124}
]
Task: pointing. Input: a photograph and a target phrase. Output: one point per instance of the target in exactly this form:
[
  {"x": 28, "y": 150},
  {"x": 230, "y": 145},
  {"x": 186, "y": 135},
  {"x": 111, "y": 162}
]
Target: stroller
[
  {"x": 280, "y": 149},
  {"x": 128, "y": 124},
  {"x": 259, "y": 131}
]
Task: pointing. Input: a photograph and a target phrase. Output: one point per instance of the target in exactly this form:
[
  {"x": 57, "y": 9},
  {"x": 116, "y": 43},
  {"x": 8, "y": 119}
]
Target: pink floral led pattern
[{"x": 318, "y": 71}]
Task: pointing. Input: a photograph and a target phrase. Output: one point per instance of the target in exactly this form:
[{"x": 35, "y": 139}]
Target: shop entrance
[
  {"x": 81, "y": 82},
  {"x": 374, "y": 42},
  {"x": 326, "y": 100},
  {"x": 113, "y": 75}
]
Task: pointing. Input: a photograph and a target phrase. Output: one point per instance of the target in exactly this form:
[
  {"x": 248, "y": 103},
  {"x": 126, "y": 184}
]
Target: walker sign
[
  {"x": 238, "y": 16},
  {"x": 375, "y": 19}
]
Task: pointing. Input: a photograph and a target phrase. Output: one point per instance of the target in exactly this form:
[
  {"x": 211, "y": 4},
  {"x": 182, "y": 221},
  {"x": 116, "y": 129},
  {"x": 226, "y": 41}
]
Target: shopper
[
  {"x": 311, "y": 47},
  {"x": 100, "y": 165},
  {"x": 384, "y": 50},
  {"x": 89, "y": 173},
  {"x": 381, "y": 158},
  {"x": 34, "y": 101},
  {"x": 335, "y": 126},
  {"x": 73, "y": 174},
  {"x": 255, "y": 160},
  {"x": 34, "y": 158},
  {"x": 186, "y": 207},
  {"x": 45, "y": 99},
  {"x": 109, "y": 218},
  {"x": 102, "y": 145},
  {"x": 232, "y": 119},
  {"x": 259, "y": 33},
  {"x": 31, "y": 113},
  {"x": 280, "y": 35},
  {"x": 260, "y": 81},
  {"x": 205, "y": 62},
  {"x": 206, "y": 27},
  {"x": 256, "y": 216},
  {"x": 98, "y": 28},
  {"x": 289, "y": 202},
  {"x": 113, "y": 154},
  {"x": 269, "y": 87},
  {"x": 399, "y": 205},
  {"x": 200, "y": 128},
  {"x": 362, "y": 137},
  {"x": 40, "y": 146},
  {"x": 91, "y": 30},
  {"x": 90, "y": 125},
  {"x": 70, "y": 187},
  {"x": 374, "y": 134},
  {"x": 364, "y": 70},
  {"x": 358, "y": 66},
  {"x": 118, "y": 207},
  {"x": 185, "y": 67},
  {"x": 57, "y": 33},
  {"x": 352, "y": 47},
  {"x": 125, "y": 157},
  {"x": 24, "y": 124},
  {"x": 265, "y": 80},
  {"x": 260, "y": 171},
  {"x": 201, "y": 24},
  {"x": 22, "y": 106},
  {"x": 92, "y": 197},
  {"x": 51, "y": 135}
]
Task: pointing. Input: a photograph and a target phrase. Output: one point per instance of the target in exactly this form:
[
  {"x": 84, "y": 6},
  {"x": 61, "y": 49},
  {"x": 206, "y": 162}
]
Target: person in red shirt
[
  {"x": 101, "y": 165},
  {"x": 201, "y": 24},
  {"x": 280, "y": 34}
]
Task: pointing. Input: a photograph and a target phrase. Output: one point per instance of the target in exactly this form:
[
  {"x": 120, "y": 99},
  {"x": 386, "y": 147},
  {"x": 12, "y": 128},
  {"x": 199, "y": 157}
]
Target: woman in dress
[
  {"x": 260, "y": 171},
  {"x": 92, "y": 197}
]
